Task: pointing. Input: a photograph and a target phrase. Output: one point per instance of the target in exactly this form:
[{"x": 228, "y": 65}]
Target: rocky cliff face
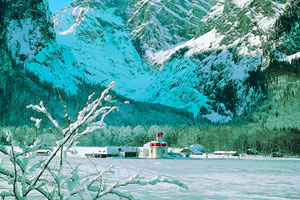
[
  {"x": 224, "y": 64},
  {"x": 160, "y": 25},
  {"x": 206, "y": 57},
  {"x": 285, "y": 41},
  {"x": 99, "y": 40},
  {"x": 24, "y": 29},
  {"x": 35, "y": 67}
]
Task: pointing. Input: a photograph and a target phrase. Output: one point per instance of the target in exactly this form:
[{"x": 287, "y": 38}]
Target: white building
[
  {"x": 226, "y": 153},
  {"x": 195, "y": 149},
  {"x": 108, "y": 151},
  {"x": 128, "y": 152},
  {"x": 158, "y": 148}
]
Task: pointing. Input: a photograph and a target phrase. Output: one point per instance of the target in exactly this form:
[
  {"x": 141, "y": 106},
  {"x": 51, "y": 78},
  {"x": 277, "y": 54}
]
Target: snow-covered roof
[
  {"x": 195, "y": 149},
  {"x": 147, "y": 145},
  {"x": 175, "y": 150},
  {"x": 227, "y": 152},
  {"x": 128, "y": 149},
  {"x": 109, "y": 150},
  {"x": 197, "y": 146}
]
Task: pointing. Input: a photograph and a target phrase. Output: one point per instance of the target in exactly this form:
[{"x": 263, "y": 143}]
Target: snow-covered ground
[
  {"x": 206, "y": 178},
  {"x": 243, "y": 157}
]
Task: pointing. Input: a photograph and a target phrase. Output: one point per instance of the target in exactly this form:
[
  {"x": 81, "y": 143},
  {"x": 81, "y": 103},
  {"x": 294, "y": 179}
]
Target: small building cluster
[
  {"x": 156, "y": 149},
  {"x": 114, "y": 151}
]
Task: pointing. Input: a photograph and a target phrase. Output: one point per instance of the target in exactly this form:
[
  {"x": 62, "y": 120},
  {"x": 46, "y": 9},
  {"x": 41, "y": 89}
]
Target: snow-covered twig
[
  {"x": 41, "y": 108},
  {"x": 136, "y": 180},
  {"x": 87, "y": 114},
  {"x": 122, "y": 195},
  {"x": 27, "y": 181},
  {"x": 66, "y": 185},
  {"x": 37, "y": 122}
]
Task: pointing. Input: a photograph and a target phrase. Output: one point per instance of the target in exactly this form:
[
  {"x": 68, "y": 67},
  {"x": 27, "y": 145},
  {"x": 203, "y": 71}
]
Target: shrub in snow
[{"x": 30, "y": 175}]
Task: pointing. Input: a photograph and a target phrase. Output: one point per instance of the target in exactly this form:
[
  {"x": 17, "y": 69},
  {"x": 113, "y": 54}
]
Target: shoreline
[{"x": 82, "y": 150}]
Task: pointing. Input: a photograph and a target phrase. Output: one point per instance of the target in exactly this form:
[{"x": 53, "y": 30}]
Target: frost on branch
[
  {"x": 37, "y": 122},
  {"x": 51, "y": 181}
]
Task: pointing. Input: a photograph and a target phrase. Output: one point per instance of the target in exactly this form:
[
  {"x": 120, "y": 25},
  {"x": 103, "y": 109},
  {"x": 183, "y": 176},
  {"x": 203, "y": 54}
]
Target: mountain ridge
[{"x": 214, "y": 70}]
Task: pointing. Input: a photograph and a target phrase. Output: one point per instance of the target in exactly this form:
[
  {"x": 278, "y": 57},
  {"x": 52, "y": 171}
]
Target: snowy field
[{"x": 206, "y": 178}]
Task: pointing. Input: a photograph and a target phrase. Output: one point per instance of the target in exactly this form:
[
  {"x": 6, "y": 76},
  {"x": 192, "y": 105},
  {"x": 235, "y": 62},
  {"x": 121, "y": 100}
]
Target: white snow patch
[
  {"x": 290, "y": 58},
  {"x": 208, "y": 41},
  {"x": 254, "y": 40},
  {"x": 265, "y": 23},
  {"x": 279, "y": 8},
  {"x": 75, "y": 18},
  {"x": 23, "y": 37},
  {"x": 215, "y": 11},
  {"x": 241, "y": 3}
]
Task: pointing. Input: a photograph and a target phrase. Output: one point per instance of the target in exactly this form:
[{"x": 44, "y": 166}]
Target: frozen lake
[
  {"x": 206, "y": 178},
  {"x": 214, "y": 179}
]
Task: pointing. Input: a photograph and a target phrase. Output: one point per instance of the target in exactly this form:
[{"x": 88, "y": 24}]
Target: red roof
[{"x": 157, "y": 144}]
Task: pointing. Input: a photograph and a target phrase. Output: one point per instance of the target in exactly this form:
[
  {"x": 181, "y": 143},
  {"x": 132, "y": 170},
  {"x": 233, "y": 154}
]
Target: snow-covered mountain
[
  {"x": 223, "y": 64},
  {"x": 206, "y": 57},
  {"x": 101, "y": 43},
  {"x": 100, "y": 39},
  {"x": 162, "y": 24},
  {"x": 285, "y": 39}
]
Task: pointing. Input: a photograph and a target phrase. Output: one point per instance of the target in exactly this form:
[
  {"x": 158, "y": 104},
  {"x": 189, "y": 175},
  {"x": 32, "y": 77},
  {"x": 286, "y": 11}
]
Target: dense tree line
[{"x": 223, "y": 137}]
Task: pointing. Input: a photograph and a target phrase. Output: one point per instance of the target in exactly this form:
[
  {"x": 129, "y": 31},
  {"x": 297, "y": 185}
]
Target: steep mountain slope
[
  {"x": 99, "y": 40},
  {"x": 281, "y": 108},
  {"x": 216, "y": 74},
  {"x": 33, "y": 67},
  {"x": 225, "y": 63},
  {"x": 205, "y": 57},
  {"x": 25, "y": 27},
  {"x": 97, "y": 35},
  {"x": 160, "y": 25},
  {"x": 285, "y": 45}
]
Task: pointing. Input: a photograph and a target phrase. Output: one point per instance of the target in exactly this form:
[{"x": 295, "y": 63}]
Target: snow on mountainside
[
  {"x": 26, "y": 32},
  {"x": 285, "y": 39},
  {"x": 213, "y": 74},
  {"x": 202, "y": 56},
  {"x": 34, "y": 67},
  {"x": 222, "y": 64},
  {"x": 98, "y": 37},
  {"x": 102, "y": 46},
  {"x": 160, "y": 25}
]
